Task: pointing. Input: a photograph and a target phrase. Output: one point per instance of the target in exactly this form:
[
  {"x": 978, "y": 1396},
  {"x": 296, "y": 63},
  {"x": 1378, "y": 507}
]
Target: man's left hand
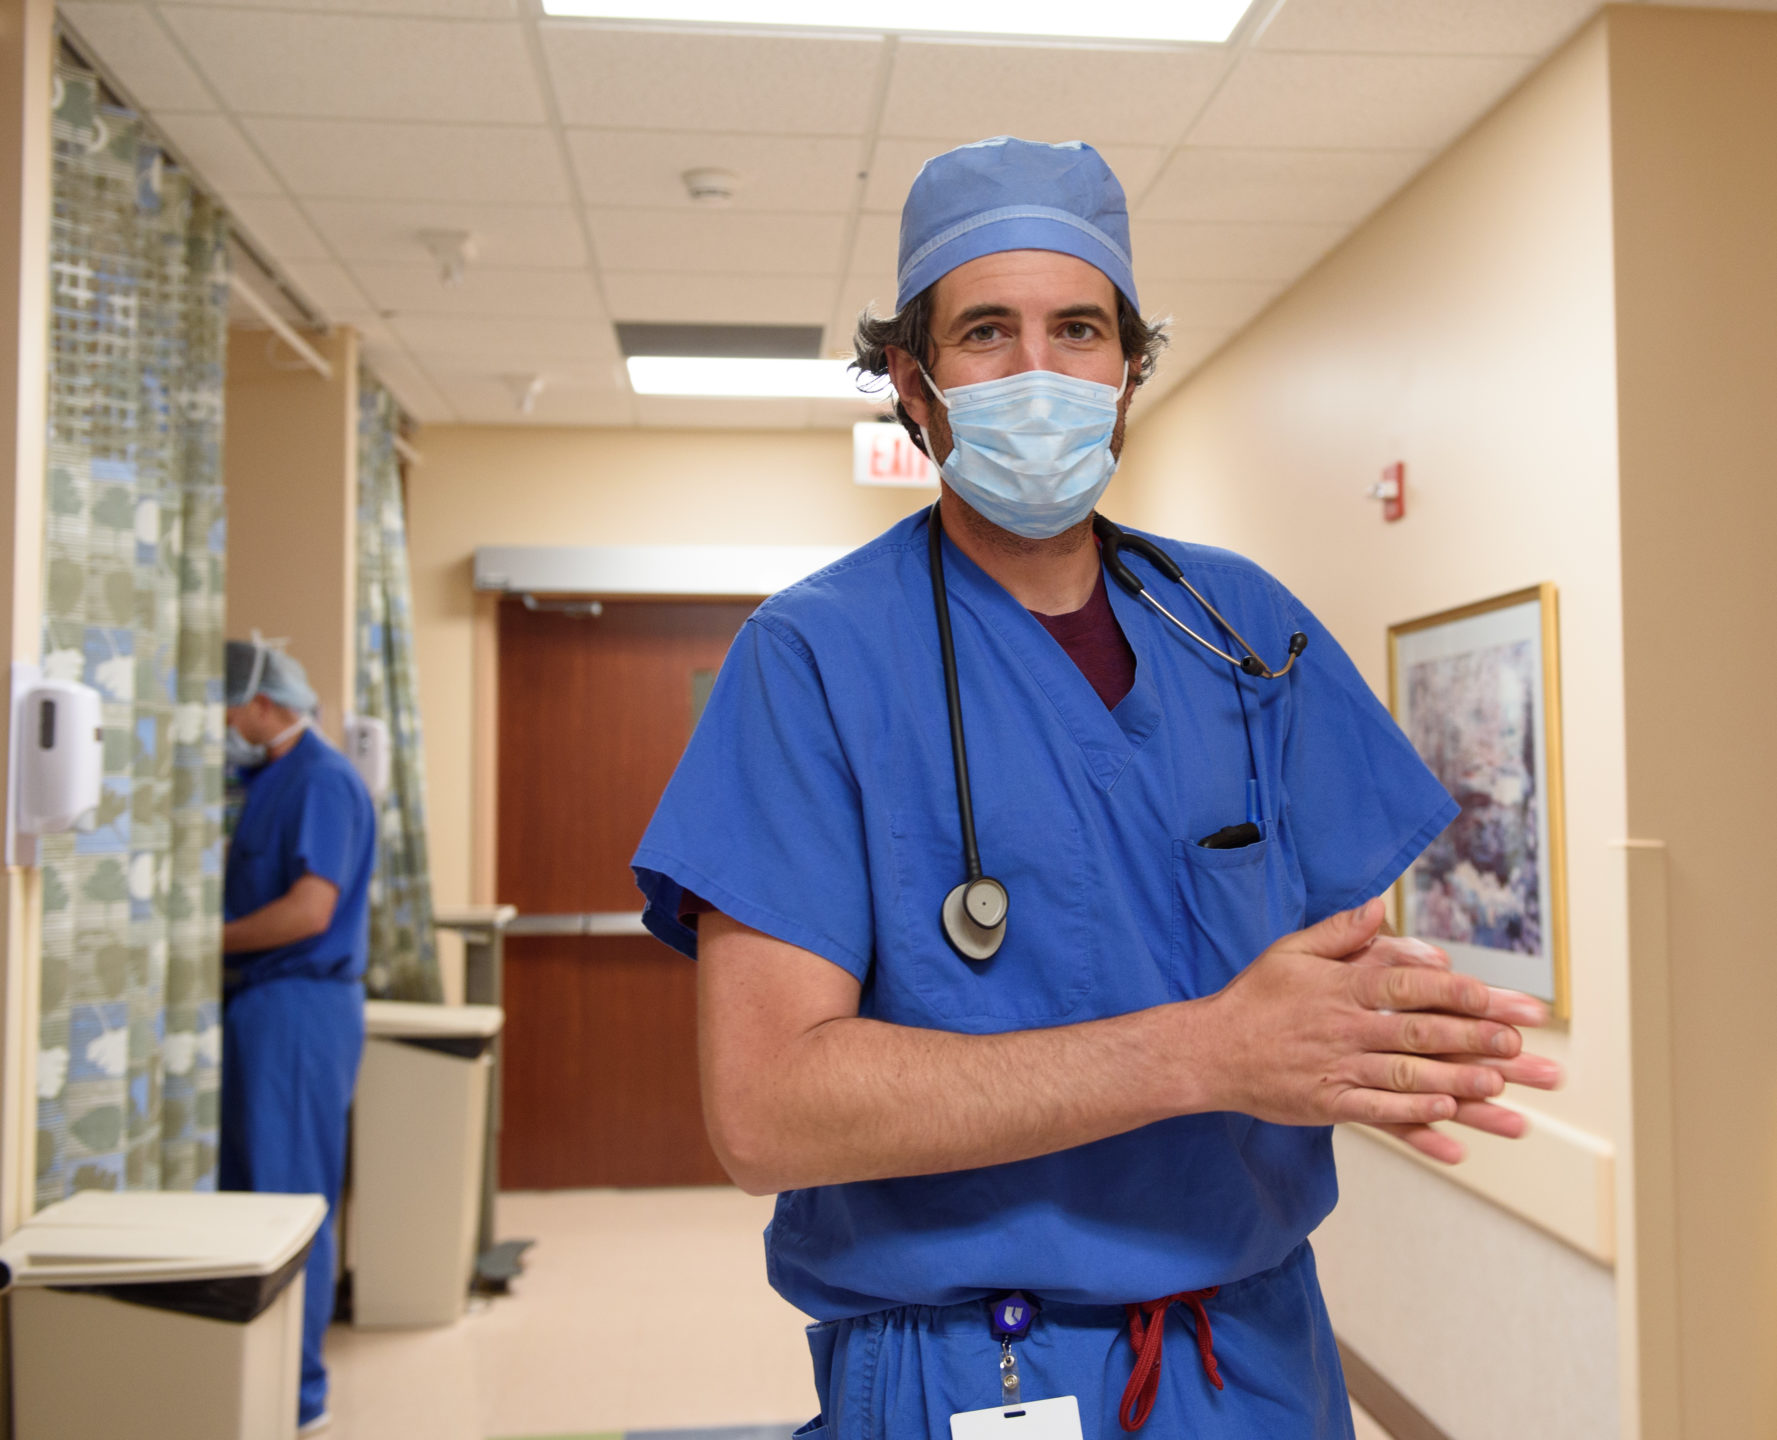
[{"x": 1509, "y": 1006}]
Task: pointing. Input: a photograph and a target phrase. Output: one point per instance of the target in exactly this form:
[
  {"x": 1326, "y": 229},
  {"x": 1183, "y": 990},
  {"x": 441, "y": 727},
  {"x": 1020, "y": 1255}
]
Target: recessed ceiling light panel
[
  {"x": 1178, "y": 21},
  {"x": 710, "y": 376}
]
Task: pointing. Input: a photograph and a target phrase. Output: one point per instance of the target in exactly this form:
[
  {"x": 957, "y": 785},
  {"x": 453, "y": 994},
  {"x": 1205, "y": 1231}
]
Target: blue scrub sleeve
[
  {"x": 327, "y": 840},
  {"x": 1362, "y": 804},
  {"x": 762, "y": 818}
]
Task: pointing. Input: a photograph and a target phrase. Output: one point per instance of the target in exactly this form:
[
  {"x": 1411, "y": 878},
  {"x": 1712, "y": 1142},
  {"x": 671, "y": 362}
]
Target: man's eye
[
  {"x": 984, "y": 332},
  {"x": 1079, "y": 330}
]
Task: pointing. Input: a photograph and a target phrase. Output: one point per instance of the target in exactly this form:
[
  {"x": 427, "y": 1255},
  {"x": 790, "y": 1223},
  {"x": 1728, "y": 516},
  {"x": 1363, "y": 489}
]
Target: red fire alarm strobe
[{"x": 1391, "y": 490}]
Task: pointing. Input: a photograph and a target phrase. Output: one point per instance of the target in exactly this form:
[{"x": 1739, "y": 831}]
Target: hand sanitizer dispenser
[
  {"x": 57, "y": 758},
  {"x": 367, "y": 747}
]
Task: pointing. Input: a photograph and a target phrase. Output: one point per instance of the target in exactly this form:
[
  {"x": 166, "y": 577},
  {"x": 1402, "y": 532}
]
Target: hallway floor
[{"x": 639, "y": 1310}]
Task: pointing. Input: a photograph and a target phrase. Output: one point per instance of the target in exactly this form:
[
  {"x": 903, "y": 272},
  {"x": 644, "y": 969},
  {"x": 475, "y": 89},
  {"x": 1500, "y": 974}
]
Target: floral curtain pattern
[
  {"x": 403, "y": 950},
  {"x": 130, "y": 1023}
]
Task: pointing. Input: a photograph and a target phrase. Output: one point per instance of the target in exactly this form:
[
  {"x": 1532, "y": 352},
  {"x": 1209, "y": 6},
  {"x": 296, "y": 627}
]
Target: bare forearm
[
  {"x": 858, "y": 1099},
  {"x": 305, "y": 910}
]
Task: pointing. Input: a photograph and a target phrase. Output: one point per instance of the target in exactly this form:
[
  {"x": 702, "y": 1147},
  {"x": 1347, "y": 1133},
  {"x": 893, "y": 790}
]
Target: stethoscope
[{"x": 974, "y": 913}]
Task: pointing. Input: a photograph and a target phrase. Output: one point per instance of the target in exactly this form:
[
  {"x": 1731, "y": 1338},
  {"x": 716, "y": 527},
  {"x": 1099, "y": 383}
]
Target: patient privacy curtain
[
  {"x": 130, "y": 1032},
  {"x": 403, "y": 952}
]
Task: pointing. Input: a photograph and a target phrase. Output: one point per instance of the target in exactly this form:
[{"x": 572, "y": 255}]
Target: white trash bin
[
  {"x": 159, "y": 1315},
  {"x": 419, "y": 1129}
]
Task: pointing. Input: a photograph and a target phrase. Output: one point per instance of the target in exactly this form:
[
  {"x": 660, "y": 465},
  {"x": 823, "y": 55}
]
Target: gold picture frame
[{"x": 1477, "y": 689}]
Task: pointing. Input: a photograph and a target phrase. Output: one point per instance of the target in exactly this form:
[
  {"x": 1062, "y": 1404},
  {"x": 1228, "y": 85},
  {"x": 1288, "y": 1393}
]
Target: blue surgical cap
[
  {"x": 260, "y": 667},
  {"x": 1007, "y": 194}
]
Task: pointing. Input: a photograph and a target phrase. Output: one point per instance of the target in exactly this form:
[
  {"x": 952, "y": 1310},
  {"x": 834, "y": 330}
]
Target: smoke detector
[
  {"x": 712, "y": 187},
  {"x": 452, "y": 249}
]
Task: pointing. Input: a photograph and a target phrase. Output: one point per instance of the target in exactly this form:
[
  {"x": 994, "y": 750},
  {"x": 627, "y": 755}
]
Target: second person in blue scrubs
[{"x": 296, "y": 937}]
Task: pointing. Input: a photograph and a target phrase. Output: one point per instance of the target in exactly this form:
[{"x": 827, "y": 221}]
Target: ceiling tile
[
  {"x": 414, "y": 290},
  {"x": 897, "y": 161},
  {"x": 685, "y": 412},
  {"x": 859, "y": 290},
  {"x": 215, "y": 147},
  {"x": 433, "y": 9},
  {"x": 480, "y": 400},
  {"x": 548, "y": 237},
  {"x": 278, "y": 226},
  {"x": 363, "y": 67},
  {"x": 371, "y": 327},
  {"x": 774, "y": 172},
  {"x": 1101, "y": 95},
  {"x": 1172, "y": 250},
  {"x": 842, "y": 325},
  {"x": 325, "y": 285},
  {"x": 719, "y": 299},
  {"x": 876, "y": 246},
  {"x": 1426, "y": 27},
  {"x": 483, "y": 345},
  {"x": 666, "y": 80},
  {"x": 1209, "y": 304},
  {"x": 413, "y": 388},
  {"x": 1354, "y": 102},
  {"x": 343, "y": 160},
  {"x": 1300, "y": 186},
  {"x": 717, "y": 241},
  {"x": 129, "y": 40}
]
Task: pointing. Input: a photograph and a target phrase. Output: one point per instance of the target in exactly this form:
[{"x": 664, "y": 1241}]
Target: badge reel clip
[{"x": 1059, "y": 1419}]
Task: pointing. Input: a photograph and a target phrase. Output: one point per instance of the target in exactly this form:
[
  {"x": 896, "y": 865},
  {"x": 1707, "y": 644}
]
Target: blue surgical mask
[
  {"x": 1030, "y": 452},
  {"x": 243, "y": 754}
]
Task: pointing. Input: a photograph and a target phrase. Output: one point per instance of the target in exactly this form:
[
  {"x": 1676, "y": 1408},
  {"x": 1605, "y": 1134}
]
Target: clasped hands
[{"x": 1341, "y": 1022}]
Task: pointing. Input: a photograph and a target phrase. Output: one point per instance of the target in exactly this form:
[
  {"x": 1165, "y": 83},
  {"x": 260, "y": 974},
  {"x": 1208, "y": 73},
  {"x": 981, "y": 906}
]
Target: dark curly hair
[{"x": 910, "y": 329}]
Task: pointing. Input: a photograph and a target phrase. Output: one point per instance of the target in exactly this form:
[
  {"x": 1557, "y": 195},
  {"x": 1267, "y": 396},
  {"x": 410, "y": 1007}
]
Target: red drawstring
[{"x": 1147, "y": 1326}]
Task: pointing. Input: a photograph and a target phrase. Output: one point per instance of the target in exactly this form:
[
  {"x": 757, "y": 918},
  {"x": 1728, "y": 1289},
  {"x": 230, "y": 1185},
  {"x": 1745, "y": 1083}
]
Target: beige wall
[
  {"x": 533, "y": 486},
  {"x": 1694, "y": 133},
  {"x": 1468, "y": 330},
  {"x": 27, "y": 49},
  {"x": 290, "y": 464}
]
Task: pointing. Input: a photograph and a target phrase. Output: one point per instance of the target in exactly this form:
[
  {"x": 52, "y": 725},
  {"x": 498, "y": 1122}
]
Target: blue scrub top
[
  {"x": 816, "y": 803},
  {"x": 306, "y": 813}
]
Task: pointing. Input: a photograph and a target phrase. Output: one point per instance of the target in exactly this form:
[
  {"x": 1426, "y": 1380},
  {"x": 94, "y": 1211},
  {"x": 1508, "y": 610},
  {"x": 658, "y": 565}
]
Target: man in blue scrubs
[
  {"x": 1121, "y": 1115},
  {"x": 295, "y": 939}
]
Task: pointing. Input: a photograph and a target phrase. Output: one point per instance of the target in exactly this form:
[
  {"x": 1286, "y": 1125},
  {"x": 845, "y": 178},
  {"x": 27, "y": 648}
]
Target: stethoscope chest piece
[{"x": 974, "y": 917}]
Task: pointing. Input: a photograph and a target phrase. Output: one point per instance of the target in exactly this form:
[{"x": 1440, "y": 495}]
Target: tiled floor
[{"x": 639, "y": 1311}]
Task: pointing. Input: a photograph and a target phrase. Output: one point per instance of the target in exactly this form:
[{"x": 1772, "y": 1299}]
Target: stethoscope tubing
[
  {"x": 981, "y": 940},
  {"x": 959, "y": 754}
]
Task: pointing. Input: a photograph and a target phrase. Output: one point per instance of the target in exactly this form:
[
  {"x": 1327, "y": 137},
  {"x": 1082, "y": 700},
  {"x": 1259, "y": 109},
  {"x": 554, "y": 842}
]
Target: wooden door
[{"x": 599, "y": 1056}]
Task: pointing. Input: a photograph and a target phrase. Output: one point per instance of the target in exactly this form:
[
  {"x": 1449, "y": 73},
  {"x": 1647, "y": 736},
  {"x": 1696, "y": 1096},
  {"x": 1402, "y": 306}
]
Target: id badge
[{"x": 1057, "y": 1419}]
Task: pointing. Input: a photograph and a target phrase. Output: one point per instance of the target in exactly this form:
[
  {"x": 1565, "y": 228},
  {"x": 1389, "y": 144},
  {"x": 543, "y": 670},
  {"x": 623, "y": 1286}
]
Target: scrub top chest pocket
[
  {"x": 1228, "y": 906},
  {"x": 1042, "y": 974}
]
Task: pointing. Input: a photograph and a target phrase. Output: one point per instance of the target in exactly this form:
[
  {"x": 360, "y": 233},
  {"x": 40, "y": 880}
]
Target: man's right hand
[{"x": 1340, "y": 1023}]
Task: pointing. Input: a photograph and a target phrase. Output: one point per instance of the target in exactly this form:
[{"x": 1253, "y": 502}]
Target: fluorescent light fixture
[
  {"x": 773, "y": 379},
  {"x": 1198, "y": 21}
]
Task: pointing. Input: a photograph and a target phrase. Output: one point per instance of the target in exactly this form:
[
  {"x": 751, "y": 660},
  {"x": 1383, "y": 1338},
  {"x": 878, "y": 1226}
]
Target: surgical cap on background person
[
  {"x": 258, "y": 667},
  {"x": 1007, "y": 194}
]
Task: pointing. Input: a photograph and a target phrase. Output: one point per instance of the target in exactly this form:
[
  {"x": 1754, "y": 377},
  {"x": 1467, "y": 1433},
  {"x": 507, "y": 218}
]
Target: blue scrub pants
[
  {"x": 290, "y": 1052},
  {"x": 901, "y": 1374}
]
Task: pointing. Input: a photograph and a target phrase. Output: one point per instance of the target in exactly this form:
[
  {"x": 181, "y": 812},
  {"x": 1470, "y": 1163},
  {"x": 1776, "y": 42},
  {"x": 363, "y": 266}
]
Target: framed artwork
[{"x": 1478, "y": 692}]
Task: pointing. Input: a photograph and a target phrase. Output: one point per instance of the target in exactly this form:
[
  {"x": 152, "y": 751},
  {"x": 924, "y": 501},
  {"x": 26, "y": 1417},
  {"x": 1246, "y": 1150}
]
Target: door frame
[{"x": 655, "y": 573}]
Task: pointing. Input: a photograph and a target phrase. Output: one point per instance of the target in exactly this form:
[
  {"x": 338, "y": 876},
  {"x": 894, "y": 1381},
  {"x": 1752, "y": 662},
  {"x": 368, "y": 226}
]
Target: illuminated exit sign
[{"x": 884, "y": 454}]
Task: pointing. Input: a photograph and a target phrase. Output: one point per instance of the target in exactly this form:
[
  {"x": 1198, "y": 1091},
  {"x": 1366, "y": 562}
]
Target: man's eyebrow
[
  {"x": 977, "y": 313},
  {"x": 1082, "y": 312}
]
